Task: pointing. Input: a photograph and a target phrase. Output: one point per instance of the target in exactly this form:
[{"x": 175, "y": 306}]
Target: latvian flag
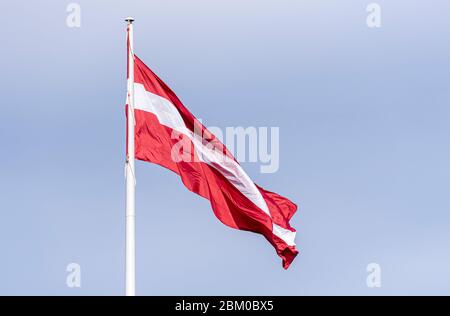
[{"x": 167, "y": 134}]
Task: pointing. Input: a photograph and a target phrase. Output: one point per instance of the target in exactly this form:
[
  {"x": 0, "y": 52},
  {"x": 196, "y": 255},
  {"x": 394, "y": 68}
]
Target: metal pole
[{"x": 130, "y": 252}]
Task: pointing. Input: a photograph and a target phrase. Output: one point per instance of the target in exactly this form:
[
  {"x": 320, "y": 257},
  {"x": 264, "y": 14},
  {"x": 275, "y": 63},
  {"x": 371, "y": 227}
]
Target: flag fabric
[{"x": 167, "y": 134}]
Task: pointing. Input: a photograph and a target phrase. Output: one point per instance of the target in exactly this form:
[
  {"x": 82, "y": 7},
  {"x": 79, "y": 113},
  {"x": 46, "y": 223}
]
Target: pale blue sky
[{"x": 363, "y": 116}]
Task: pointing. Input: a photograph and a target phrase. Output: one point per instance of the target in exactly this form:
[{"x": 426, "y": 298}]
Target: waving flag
[{"x": 167, "y": 134}]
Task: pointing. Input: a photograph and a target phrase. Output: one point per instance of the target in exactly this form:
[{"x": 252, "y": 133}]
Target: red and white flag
[{"x": 167, "y": 134}]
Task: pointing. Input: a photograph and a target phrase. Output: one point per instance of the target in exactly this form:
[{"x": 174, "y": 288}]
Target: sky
[{"x": 364, "y": 145}]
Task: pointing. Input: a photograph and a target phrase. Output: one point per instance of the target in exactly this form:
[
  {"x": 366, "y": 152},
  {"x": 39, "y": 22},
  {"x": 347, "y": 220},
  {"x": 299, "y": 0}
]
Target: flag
[{"x": 167, "y": 134}]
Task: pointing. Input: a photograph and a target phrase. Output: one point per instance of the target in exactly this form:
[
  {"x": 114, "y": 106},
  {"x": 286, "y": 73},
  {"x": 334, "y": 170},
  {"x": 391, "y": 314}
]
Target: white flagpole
[{"x": 130, "y": 247}]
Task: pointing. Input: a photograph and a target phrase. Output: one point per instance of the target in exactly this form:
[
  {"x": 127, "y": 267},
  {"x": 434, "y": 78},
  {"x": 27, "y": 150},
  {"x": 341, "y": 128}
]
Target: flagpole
[{"x": 130, "y": 246}]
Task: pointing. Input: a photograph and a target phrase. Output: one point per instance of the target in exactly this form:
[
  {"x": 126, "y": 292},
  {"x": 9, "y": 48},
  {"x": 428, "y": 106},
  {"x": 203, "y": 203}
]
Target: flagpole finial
[{"x": 129, "y": 20}]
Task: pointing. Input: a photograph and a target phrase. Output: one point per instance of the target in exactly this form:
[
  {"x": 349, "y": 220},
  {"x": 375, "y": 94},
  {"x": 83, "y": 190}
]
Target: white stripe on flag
[{"x": 168, "y": 115}]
